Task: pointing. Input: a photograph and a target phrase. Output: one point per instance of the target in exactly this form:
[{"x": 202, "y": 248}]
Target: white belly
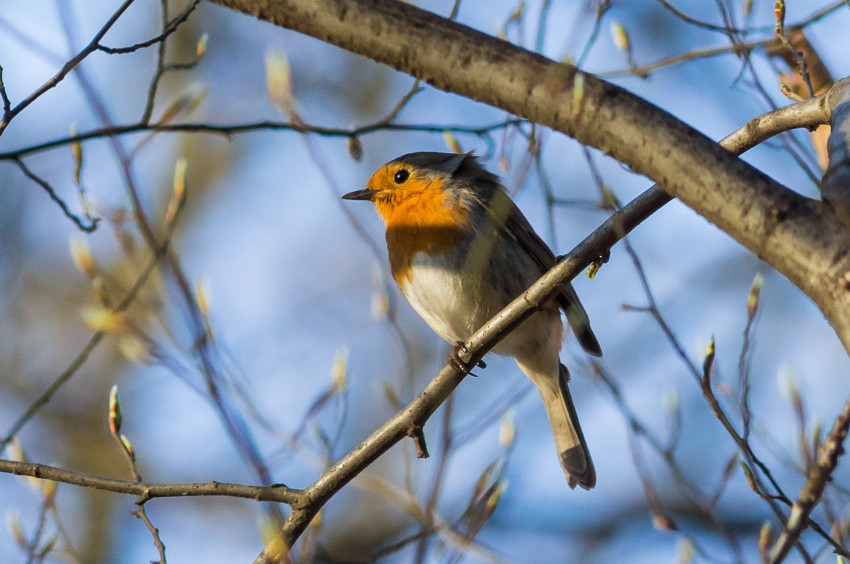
[
  {"x": 440, "y": 299},
  {"x": 455, "y": 308}
]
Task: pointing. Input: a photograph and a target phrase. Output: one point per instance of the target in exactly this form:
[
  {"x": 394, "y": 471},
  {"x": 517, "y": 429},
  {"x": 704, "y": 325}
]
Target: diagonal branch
[
  {"x": 813, "y": 489},
  {"x": 10, "y": 113},
  {"x": 801, "y": 238},
  {"x": 86, "y": 227},
  {"x": 416, "y": 413}
]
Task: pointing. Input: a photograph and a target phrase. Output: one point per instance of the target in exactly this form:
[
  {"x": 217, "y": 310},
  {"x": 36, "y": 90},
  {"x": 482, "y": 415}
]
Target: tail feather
[{"x": 569, "y": 440}]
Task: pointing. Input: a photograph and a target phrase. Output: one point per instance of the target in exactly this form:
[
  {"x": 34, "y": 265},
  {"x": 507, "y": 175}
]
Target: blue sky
[{"x": 293, "y": 284}]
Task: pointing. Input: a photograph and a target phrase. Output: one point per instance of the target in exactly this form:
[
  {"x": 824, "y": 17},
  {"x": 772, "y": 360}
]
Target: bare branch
[
  {"x": 645, "y": 69},
  {"x": 147, "y": 491},
  {"x": 823, "y": 12},
  {"x": 229, "y": 130},
  {"x": 66, "y": 68},
  {"x": 813, "y": 489},
  {"x": 170, "y": 28},
  {"x": 86, "y": 351},
  {"x": 157, "y": 541},
  {"x": 88, "y": 228},
  {"x": 4, "y": 96},
  {"x": 808, "y": 113}
]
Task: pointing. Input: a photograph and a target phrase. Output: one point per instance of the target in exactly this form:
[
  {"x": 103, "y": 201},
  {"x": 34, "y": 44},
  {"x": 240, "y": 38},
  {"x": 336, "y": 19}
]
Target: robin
[{"x": 460, "y": 251}]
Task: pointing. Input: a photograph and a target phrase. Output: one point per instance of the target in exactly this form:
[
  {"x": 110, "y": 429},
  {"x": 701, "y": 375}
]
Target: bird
[{"x": 460, "y": 250}]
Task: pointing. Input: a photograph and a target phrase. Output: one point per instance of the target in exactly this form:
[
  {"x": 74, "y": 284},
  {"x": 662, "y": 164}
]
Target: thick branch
[
  {"x": 801, "y": 238},
  {"x": 146, "y": 491}
]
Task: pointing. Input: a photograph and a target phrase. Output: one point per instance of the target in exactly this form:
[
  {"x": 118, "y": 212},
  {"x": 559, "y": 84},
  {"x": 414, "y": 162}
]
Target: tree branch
[
  {"x": 147, "y": 491},
  {"x": 9, "y": 113},
  {"x": 801, "y": 238},
  {"x": 813, "y": 489},
  {"x": 231, "y": 129}
]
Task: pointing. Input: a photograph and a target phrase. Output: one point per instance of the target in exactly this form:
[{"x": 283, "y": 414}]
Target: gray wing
[{"x": 517, "y": 226}]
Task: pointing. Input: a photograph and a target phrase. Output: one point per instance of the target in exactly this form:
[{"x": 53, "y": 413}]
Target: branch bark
[
  {"x": 814, "y": 487},
  {"x": 147, "y": 491},
  {"x": 801, "y": 238}
]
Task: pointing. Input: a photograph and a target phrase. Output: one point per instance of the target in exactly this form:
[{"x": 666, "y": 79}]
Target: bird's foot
[{"x": 457, "y": 362}]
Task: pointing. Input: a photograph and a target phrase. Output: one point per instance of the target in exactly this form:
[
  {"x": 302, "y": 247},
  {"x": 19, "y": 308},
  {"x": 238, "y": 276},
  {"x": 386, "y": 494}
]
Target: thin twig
[
  {"x": 228, "y": 130},
  {"x": 690, "y": 490},
  {"x": 147, "y": 491},
  {"x": 66, "y": 68},
  {"x": 160, "y": 68},
  {"x": 206, "y": 353},
  {"x": 822, "y": 13},
  {"x": 170, "y": 28},
  {"x": 130, "y": 458},
  {"x": 813, "y": 489},
  {"x": 7, "y": 105},
  {"x": 157, "y": 540},
  {"x": 735, "y": 47},
  {"x": 83, "y": 355},
  {"x": 437, "y": 482},
  {"x": 88, "y": 228}
]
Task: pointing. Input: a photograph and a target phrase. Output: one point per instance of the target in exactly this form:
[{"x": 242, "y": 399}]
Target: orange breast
[{"x": 420, "y": 220}]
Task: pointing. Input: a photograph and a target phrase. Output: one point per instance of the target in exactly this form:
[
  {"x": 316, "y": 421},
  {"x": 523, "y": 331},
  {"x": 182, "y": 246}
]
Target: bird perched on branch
[{"x": 460, "y": 251}]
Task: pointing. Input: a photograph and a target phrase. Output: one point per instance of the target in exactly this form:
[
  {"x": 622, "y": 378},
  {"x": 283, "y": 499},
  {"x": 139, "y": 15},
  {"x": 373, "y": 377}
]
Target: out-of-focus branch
[
  {"x": 813, "y": 489},
  {"x": 78, "y": 221},
  {"x": 169, "y": 28},
  {"x": 147, "y": 491},
  {"x": 645, "y": 69},
  {"x": 801, "y": 238},
  {"x": 228, "y": 130},
  {"x": 727, "y": 29},
  {"x": 97, "y": 337}
]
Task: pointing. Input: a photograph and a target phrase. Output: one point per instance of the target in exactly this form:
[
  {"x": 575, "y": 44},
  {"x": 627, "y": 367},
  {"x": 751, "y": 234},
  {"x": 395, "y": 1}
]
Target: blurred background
[{"x": 275, "y": 293}]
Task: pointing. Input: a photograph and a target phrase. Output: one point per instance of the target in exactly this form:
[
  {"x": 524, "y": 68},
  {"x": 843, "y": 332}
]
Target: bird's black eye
[{"x": 401, "y": 176}]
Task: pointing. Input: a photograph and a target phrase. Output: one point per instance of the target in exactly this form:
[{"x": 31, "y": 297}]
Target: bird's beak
[{"x": 364, "y": 194}]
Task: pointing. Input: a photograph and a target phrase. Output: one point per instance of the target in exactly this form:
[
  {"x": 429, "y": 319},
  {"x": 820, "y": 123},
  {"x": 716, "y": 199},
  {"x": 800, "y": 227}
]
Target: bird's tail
[{"x": 569, "y": 440}]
